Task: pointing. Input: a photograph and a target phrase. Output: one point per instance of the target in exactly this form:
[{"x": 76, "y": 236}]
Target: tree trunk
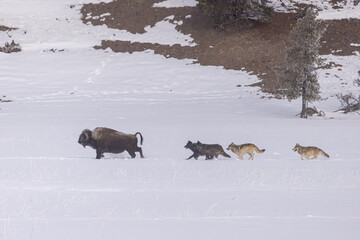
[{"x": 304, "y": 102}]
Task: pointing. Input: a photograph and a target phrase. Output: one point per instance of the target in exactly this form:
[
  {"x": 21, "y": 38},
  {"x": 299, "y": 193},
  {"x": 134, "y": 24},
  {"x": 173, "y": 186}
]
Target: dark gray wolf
[{"x": 208, "y": 150}]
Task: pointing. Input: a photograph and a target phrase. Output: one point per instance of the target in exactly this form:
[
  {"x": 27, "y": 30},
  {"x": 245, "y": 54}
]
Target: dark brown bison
[{"x": 107, "y": 140}]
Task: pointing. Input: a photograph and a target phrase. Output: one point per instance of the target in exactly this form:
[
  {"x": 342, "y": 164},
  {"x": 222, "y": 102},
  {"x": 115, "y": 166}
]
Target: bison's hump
[{"x": 108, "y": 134}]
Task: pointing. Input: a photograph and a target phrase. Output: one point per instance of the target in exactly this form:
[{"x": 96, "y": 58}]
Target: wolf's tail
[
  {"x": 258, "y": 150},
  {"x": 325, "y": 154},
  {"x": 141, "y": 137},
  {"x": 225, "y": 154}
]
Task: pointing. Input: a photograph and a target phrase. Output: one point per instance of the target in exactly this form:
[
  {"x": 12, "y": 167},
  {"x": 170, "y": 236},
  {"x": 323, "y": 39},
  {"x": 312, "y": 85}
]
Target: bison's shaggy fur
[{"x": 107, "y": 140}]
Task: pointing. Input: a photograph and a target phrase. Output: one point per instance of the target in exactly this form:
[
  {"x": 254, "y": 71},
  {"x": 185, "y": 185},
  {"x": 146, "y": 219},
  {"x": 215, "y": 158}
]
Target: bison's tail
[{"x": 141, "y": 137}]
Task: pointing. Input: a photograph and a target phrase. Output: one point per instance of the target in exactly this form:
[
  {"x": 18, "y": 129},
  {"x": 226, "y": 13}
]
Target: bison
[{"x": 107, "y": 140}]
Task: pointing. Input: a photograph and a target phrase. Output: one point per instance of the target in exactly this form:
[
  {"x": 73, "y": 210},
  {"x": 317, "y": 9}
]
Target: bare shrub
[
  {"x": 349, "y": 102},
  {"x": 310, "y": 111},
  {"x": 10, "y": 47},
  {"x": 357, "y": 81}
]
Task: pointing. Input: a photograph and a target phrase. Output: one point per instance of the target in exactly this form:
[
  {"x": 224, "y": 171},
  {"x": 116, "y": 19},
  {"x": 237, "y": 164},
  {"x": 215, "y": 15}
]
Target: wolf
[
  {"x": 211, "y": 150},
  {"x": 309, "y": 151},
  {"x": 242, "y": 149},
  {"x": 208, "y": 150},
  {"x": 192, "y": 146}
]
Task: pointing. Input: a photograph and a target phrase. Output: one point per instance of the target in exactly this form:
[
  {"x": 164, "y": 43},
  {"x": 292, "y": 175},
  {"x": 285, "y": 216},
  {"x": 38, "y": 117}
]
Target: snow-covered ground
[{"x": 53, "y": 188}]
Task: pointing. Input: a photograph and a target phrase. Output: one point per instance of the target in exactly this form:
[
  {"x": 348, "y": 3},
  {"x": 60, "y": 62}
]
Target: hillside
[{"x": 259, "y": 50}]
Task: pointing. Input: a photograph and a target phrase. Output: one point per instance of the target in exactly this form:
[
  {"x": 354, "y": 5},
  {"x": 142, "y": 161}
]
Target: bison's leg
[
  {"x": 138, "y": 149},
  {"x": 99, "y": 154},
  {"x": 132, "y": 153}
]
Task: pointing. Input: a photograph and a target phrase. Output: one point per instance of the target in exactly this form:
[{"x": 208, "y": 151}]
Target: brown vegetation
[{"x": 4, "y": 28}]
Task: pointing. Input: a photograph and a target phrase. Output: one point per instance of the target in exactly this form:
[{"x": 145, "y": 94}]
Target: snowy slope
[
  {"x": 53, "y": 188},
  {"x": 328, "y": 9}
]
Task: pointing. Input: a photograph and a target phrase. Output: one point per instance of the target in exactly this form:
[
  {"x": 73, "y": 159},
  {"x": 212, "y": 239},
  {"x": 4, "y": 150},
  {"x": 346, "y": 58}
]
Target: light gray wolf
[
  {"x": 242, "y": 149},
  {"x": 309, "y": 151}
]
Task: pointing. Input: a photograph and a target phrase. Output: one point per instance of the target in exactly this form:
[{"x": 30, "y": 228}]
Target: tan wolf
[
  {"x": 309, "y": 151},
  {"x": 242, "y": 149}
]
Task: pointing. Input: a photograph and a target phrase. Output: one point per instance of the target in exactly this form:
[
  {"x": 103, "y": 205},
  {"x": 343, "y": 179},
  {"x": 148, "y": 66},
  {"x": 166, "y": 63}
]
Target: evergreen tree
[{"x": 299, "y": 77}]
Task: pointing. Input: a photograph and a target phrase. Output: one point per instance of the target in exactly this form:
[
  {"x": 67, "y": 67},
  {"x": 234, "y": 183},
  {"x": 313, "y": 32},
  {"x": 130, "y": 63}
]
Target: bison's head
[{"x": 85, "y": 137}]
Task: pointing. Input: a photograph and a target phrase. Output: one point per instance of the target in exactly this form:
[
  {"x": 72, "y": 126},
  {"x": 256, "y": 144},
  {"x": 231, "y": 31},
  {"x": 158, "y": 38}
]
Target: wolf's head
[
  {"x": 231, "y": 146},
  {"x": 189, "y": 145},
  {"x": 296, "y": 148}
]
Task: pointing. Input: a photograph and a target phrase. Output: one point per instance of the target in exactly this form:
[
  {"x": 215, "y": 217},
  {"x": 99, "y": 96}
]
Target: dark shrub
[{"x": 236, "y": 13}]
